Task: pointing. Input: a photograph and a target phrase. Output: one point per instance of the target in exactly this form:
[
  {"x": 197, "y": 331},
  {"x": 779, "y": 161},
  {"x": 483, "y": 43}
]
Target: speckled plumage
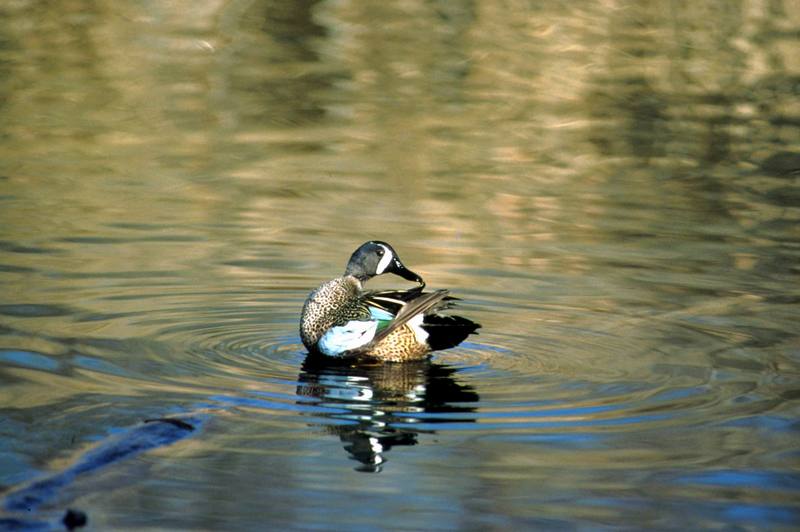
[
  {"x": 334, "y": 303},
  {"x": 399, "y": 346}
]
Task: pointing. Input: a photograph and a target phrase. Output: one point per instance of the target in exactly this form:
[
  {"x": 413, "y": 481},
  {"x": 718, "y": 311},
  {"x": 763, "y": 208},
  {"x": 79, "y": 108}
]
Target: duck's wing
[
  {"x": 445, "y": 332},
  {"x": 390, "y": 300},
  {"x": 415, "y": 307},
  {"x": 393, "y": 301}
]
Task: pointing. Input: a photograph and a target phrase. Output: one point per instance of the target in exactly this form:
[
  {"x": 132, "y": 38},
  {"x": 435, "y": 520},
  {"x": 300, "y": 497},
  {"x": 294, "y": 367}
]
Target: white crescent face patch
[{"x": 385, "y": 260}]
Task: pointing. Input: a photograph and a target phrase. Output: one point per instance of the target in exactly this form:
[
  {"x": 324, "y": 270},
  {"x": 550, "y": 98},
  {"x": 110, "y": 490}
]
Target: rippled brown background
[{"x": 611, "y": 187}]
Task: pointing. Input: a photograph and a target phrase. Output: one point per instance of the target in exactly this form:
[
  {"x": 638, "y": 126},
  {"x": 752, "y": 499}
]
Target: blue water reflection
[{"x": 29, "y": 359}]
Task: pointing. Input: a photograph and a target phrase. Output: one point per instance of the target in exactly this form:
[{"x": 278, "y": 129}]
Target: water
[{"x": 611, "y": 188}]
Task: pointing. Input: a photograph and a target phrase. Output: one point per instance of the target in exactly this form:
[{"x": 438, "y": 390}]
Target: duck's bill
[{"x": 397, "y": 268}]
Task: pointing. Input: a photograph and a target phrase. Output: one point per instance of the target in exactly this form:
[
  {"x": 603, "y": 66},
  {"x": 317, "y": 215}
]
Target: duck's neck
[{"x": 355, "y": 280}]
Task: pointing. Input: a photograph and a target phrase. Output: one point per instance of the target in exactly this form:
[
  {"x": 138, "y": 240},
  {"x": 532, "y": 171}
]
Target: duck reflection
[{"x": 380, "y": 403}]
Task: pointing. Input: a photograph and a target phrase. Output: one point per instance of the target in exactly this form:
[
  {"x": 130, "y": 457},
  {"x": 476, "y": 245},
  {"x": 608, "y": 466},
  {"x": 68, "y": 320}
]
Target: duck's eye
[{"x": 379, "y": 251}]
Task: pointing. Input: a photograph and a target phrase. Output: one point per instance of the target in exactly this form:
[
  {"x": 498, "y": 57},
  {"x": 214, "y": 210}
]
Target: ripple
[
  {"x": 240, "y": 343},
  {"x": 29, "y": 310},
  {"x": 129, "y": 240},
  {"x": 29, "y": 359},
  {"x": 558, "y": 386},
  {"x": 14, "y": 247},
  {"x": 476, "y": 359}
]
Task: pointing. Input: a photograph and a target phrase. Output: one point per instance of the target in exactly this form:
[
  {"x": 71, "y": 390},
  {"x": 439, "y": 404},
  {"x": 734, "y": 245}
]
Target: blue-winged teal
[{"x": 341, "y": 319}]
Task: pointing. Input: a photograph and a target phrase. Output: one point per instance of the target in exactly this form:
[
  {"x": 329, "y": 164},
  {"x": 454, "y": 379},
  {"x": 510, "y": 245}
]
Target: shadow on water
[{"x": 378, "y": 397}]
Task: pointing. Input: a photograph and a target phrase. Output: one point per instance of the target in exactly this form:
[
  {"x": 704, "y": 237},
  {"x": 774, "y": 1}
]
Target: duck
[{"x": 341, "y": 319}]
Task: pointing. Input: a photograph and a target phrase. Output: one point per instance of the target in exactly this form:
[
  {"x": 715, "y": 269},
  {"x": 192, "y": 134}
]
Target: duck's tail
[{"x": 445, "y": 332}]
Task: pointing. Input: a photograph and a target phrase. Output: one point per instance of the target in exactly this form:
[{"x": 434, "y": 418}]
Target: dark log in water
[{"x": 151, "y": 434}]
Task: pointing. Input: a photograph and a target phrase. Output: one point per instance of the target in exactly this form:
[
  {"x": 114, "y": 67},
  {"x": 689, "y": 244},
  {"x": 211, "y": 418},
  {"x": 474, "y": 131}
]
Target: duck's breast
[{"x": 334, "y": 303}]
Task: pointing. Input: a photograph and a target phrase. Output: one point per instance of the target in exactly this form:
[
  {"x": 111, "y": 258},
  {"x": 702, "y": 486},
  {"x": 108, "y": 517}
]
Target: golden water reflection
[{"x": 611, "y": 187}]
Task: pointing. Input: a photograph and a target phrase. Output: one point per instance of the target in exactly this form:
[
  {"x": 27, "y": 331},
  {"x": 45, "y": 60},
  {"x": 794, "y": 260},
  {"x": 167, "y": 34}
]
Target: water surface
[{"x": 612, "y": 189}]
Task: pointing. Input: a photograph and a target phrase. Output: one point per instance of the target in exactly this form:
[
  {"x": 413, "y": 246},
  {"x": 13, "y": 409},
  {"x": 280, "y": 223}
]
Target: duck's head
[{"x": 376, "y": 258}]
